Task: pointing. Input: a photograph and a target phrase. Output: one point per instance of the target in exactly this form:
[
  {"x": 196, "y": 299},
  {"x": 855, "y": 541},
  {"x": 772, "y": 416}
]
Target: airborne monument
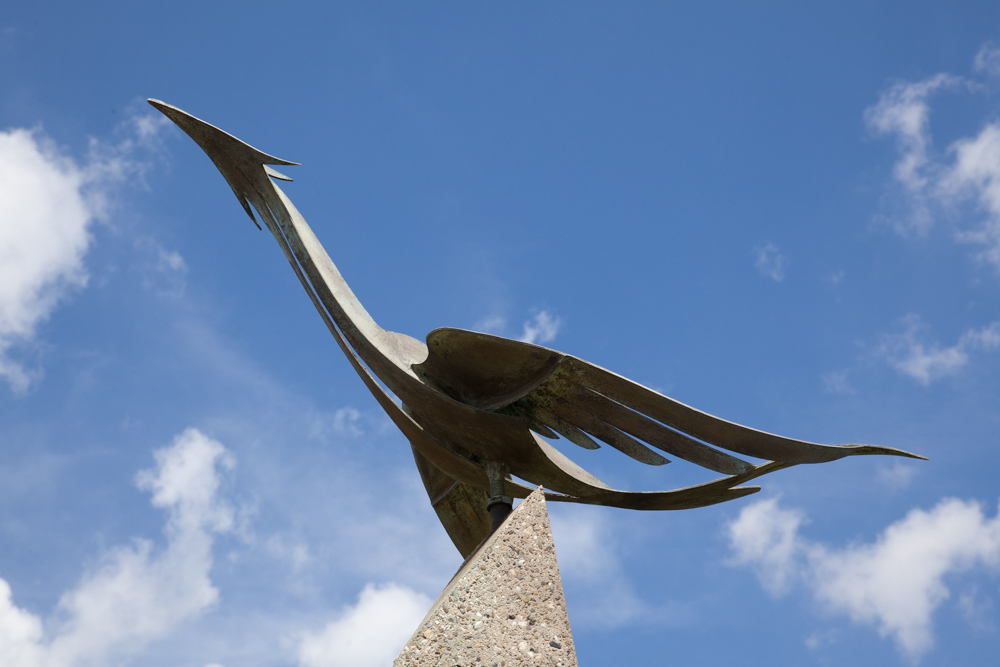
[{"x": 477, "y": 408}]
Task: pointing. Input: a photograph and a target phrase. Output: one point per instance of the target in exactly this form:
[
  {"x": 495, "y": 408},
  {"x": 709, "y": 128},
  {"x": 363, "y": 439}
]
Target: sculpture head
[{"x": 238, "y": 161}]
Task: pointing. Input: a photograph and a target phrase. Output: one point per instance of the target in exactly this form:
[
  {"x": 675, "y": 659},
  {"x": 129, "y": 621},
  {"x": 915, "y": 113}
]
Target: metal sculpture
[{"x": 477, "y": 408}]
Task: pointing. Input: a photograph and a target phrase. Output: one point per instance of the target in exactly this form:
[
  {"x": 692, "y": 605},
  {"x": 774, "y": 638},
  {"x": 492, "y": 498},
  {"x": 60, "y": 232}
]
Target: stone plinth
[{"x": 504, "y": 607}]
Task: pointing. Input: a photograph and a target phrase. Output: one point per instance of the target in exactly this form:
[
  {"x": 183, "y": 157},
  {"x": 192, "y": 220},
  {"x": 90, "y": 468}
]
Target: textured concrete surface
[{"x": 505, "y": 605}]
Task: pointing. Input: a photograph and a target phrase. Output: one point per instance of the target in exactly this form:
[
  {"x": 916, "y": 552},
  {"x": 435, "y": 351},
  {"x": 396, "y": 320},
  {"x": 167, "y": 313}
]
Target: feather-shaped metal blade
[
  {"x": 705, "y": 427},
  {"x": 654, "y": 433},
  {"x": 607, "y": 433},
  {"x": 564, "y": 428}
]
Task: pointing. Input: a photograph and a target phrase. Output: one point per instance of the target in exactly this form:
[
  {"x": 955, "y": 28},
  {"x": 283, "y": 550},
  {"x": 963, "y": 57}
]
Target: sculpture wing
[{"x": 560, "y": 394}]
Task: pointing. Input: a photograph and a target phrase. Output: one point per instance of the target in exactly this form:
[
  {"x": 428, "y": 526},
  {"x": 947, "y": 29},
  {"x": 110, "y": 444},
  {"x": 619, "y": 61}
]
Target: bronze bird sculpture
[{"x": 478, "y": 408}]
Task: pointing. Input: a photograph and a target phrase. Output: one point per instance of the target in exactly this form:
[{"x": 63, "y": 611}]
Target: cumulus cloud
[
  {"x": 765, "y": 538},
  {"x": 770, "y": 262},
  {"x": 927, "y": 362},
  {"x": 48, "y": 203},
  {"x": 542, "y": 328},
  {"x": 894, "y": 583},
  {"x": 44, "y": 220},
  {"x": 20, "y": 633},
  {"x": 967, "y": 174},
  {"x": 368, "y": 634},
  {"x": 137, "y": 594}
]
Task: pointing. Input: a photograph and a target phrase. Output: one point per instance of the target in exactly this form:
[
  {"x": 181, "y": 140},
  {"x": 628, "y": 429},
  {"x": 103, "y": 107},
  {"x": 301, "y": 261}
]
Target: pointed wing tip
[
  {"x": 885, "y": 451},
  {"x": 198, "y": 129},
  {"x": 168, "y": 110}
]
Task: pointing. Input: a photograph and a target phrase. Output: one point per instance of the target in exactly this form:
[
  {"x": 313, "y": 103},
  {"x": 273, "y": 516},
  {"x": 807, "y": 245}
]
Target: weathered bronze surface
[{"x": 468, "y": 398}]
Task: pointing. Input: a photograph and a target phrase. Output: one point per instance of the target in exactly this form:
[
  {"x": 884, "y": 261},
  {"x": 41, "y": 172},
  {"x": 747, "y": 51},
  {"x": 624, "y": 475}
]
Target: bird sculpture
[{"x": 478, "y": 408}]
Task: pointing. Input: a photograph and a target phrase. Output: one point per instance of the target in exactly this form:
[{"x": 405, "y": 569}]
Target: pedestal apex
[{"x": 504, "y": 607}]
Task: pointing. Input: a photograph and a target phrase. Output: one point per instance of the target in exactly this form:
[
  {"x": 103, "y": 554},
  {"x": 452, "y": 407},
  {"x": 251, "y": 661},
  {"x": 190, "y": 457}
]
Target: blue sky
[{"x": 787, "y": 215}]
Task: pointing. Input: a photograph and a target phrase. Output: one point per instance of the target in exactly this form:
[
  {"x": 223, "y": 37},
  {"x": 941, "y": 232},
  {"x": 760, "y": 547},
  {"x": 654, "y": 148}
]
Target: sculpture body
[{"x": 471, "y": 399}]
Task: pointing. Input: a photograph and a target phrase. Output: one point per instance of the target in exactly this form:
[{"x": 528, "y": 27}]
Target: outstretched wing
[
  {"x": 581, "y": 397},
  {"x": 560, "y": 394}
]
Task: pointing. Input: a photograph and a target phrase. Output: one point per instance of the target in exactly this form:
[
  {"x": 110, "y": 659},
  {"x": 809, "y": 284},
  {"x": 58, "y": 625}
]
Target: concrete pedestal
[{"x": 504, "y": 607}]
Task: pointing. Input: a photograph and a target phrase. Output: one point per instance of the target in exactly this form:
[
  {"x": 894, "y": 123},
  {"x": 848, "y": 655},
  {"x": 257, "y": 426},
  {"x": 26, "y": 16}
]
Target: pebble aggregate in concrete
[{"x": 504, "y": 607}]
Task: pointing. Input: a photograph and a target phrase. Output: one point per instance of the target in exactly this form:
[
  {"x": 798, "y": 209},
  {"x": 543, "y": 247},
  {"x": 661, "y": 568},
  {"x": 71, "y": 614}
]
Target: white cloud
[
  {"x": 20, "y": 633},
  {"x": 44, "y": 220},
  {"x": 135, "y": 595},
  {"x": 894, "y": 583},
  {"x": 932, "y": 184},
  {"x": 975, "y": 176},
  {"x": 903, "y": 111},
  {"x": 47, "y": 205},
  {"x": 765, "y": 538},
  {"x": 369, "y": 634},
  {"x": 770, "y": 262},
  {"x": 928, "y": 362},
  {"x": 542, "y": 328}
]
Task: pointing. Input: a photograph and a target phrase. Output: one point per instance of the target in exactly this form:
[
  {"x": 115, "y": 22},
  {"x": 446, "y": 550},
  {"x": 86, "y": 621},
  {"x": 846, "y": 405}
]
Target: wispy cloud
[
  {"x": 977, "y": 609},
  {"x": 163, "y": 272},
  {"x": 589, "y": 563},
  {"x": 346, "y": 422},
  {"x": 491, "y": 324},
  {"x": 542, "y": 328},
  {"x": 935, "y": 185},
  {"x": 987, "y": 59},
  {"x": 894, "y": 583},
  {"x": 836, "y": 382},
  {"x": 770, "y": 262},
  {"x": 903, "y": 112},
  {"x": 48, "y": 203},
  {"x": 897, "y": 475},
  {"x": 926, "y": 362},
  {"x": 294, "y": 552},
  {"x": 136, "y": 595},
  {"x": 368, "y": 634}
]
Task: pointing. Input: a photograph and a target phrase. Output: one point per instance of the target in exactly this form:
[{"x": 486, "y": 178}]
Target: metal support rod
[{"x": 498, "y": 505}]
